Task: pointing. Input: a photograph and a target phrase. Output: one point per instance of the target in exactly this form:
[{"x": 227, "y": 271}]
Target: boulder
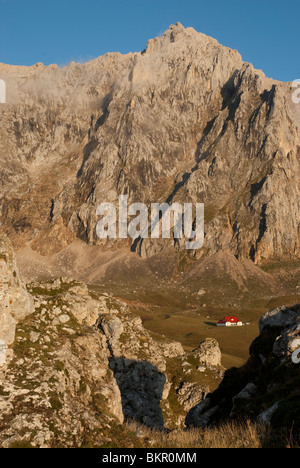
[
  {"x": 209, "y": 353},
  {"x": 112, "y": 327},
  {"x": 280, "y": 317}
]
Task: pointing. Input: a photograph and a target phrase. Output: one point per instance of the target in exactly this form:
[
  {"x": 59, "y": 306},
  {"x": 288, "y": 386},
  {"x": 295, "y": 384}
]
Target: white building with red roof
[{"x": 229, "y": 322}]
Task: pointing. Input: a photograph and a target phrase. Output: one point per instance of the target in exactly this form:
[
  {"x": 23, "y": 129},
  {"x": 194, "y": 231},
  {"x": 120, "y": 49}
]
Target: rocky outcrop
[
  {"x": 15, "y": 302},
  {"x": 209, "y": 353},
  {"x": 151, "y": 372},
  {"x": 55, "y": 387},
  {"x": 191, "y": 394},
  {"x": 279, "y": 317},
  {"x": 267, "y": 387},
  {"x": 81, "y": 363}
]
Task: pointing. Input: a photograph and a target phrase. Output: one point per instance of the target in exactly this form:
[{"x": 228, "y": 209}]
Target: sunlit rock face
[
  {"x": 185, "y": 120},
  {"x": 15, "y": 302}
]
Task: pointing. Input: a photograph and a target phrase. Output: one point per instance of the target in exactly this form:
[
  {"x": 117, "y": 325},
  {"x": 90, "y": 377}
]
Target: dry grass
[{"x": 228, "y": 435}]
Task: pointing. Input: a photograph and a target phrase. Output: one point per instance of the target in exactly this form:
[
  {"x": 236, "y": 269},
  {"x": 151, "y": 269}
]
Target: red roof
[{"x": 229, "y": 319}]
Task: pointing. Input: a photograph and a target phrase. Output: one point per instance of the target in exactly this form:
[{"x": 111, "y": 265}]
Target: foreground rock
[
  {"x": 80, "y": 363},
  {"x": 54, "y": 389},
  {"x": 267, "y": 387},
  {"x": 15, "y": 302}
]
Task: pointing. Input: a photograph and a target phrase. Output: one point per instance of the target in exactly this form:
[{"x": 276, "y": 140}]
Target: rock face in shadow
[
  {"x": 141, "y": 386},
  {"x": 186, "y": 120},
  {"x": 157, "y": 379},
  {"x": 266, "y": 389}
]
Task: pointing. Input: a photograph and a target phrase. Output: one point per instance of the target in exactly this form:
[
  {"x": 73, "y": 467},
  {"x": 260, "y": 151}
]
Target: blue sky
[{"x": 265, "y": 32}]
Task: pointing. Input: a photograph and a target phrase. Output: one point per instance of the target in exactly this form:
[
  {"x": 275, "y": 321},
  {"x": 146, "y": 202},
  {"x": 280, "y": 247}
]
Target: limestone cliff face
[{"x": 185, "y": 120}]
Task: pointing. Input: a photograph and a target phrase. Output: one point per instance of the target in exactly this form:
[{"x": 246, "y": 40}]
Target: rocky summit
[
  {"x": 185, "y": 120},
  {"x": 113, "y": 342}
]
